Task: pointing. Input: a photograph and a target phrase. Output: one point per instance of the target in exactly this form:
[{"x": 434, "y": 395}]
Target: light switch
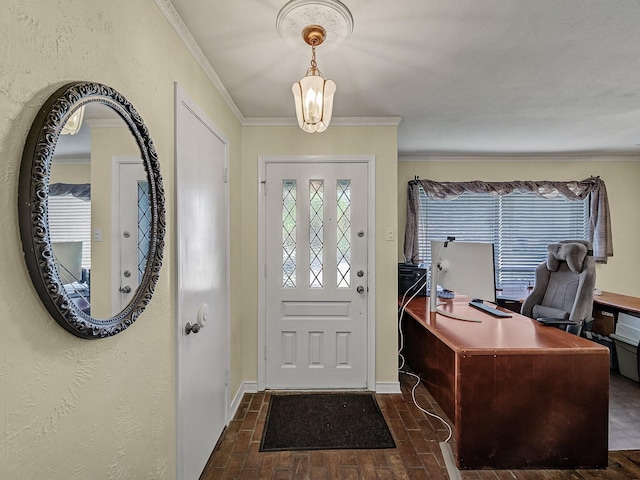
[
  {"x": 389, "y": 234},
  {"x": 97, "y": 235}
]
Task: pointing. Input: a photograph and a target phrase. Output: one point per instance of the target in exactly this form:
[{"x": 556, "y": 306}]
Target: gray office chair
[{"x": 563, "y": 292}]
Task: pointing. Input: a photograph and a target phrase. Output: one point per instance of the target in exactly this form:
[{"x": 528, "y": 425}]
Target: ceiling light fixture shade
[
  {"x": 73, "y": 125},
  {"x": 313, "y": 94}
]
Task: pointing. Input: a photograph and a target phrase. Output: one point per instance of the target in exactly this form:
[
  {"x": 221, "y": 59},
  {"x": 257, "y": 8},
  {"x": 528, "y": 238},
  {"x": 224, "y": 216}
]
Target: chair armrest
[{"x": 556, "y": 321}]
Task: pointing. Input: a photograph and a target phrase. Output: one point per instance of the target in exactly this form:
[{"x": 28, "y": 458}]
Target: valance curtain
[
  {"x": 599, "y": 219},
  {"x": 78, "y": 190}
]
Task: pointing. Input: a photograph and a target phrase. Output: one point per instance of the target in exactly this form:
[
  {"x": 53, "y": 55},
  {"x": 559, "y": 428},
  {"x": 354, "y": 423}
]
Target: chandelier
[
  {"x": 312, "y": 93},
  {"x": 327, "y": 21}
]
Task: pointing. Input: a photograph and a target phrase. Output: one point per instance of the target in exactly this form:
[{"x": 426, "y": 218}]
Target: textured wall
[{"x": 72, "y": 408}]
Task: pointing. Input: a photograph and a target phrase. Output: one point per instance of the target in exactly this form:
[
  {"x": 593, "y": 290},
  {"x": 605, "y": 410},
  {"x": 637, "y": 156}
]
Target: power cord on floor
[
  {"x": 415, "y": 402},
  {"x": 401, "y": 310}
]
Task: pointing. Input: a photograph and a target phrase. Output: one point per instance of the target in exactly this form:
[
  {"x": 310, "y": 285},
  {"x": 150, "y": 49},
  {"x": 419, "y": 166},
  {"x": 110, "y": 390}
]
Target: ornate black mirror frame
[{"x": 33, "y": 194}]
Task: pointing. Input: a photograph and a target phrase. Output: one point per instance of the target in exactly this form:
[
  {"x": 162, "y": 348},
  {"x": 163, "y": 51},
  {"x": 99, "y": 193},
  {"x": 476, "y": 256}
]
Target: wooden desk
[
  {"x": 618, "y": 302},
  {"x": 606, "y": 308},
  {"x": 520, "y": 395}
]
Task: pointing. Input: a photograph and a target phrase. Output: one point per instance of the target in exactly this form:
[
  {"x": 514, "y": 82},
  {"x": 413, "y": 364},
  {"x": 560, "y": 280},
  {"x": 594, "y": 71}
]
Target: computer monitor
[{"x": 463, "y": 267}]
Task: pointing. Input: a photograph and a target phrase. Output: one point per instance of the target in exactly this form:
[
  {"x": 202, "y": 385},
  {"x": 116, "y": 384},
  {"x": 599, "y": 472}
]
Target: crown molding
[
  {"x": 105, "y": 123},
  {"x": 80, "y": 160},
  {"x": 512, "y": 158},
  {"x": 335, "y": 121},
  {"x": 172, "y": 16}
]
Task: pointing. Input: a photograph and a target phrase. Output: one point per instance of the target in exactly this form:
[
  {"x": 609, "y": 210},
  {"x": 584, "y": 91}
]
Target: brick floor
[{"x": 417, "y": 455}]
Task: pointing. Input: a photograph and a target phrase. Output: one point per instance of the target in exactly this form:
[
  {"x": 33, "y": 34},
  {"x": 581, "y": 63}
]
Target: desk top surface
[
  {"x": 618, "y": 301},
  {"x": 513, "y": 335}
]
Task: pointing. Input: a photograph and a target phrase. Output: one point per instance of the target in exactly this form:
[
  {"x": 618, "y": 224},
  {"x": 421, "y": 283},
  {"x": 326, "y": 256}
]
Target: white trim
[
  {"x": 450, "y": 461},
  {"x": 262, "y": 262},
  {"x": 534, "y": 158},
  {"x": 335, "y": 121},
  {"x": 388, "y": 387},
  {"x": 182, "y": 98},
  {"x": 71, "y": 161},
  {"x": 245, "y": 387},
  {"x": 371, "y": 266},
  {"x": 104, "y": 122},
  {"x": 170, "y": 13},
  {"x": 370, "y": 160}
]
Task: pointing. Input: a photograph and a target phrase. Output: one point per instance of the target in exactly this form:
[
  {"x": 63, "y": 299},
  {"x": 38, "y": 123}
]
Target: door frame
[
  {"x": 263, "y": 162},
  {"x": 183, "y": 100}
]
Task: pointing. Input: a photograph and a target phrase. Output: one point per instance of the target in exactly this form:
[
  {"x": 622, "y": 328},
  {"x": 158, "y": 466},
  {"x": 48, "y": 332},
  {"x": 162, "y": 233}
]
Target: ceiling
[{"x": 467, "y": 77}]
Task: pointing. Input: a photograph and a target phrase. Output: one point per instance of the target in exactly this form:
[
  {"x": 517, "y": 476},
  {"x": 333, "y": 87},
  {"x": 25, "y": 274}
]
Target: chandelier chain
[{"x": 314, "y": 65}]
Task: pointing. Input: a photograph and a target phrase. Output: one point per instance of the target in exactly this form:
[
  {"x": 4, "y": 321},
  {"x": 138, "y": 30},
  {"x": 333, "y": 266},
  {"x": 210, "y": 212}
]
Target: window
[
  {"x": 70, "y": 221},
  {"x": 520, "y": 225}
]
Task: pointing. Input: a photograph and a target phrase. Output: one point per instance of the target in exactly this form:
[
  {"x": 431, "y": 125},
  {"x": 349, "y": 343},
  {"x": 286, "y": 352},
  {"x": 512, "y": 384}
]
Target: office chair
[{"x": 562, "y": 295}]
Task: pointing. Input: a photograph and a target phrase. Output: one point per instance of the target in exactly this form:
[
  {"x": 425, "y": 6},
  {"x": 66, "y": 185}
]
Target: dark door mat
[{"x": 324, "y": 421}]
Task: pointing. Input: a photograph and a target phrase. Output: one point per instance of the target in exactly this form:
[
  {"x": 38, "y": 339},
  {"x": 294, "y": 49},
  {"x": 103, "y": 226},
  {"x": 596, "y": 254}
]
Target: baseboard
[
  {"x": 252, "y": 387},
  {"x": 450, "y": 461},
  {"x": 245, "y": 387},
  {"x": 388, "y": 387}
]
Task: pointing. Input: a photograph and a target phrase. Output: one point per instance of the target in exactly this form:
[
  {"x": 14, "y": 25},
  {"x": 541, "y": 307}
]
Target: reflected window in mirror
[{"x": 70, "y": 234}]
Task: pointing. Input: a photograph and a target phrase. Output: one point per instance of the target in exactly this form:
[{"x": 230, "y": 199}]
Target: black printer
[{"x": 412, "y": 277}]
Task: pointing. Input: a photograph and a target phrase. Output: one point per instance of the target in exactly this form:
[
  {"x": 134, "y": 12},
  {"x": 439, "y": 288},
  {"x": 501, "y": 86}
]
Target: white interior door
[
  {"x": 203, "y": 297},
  {"x": 316, "y": 275}
]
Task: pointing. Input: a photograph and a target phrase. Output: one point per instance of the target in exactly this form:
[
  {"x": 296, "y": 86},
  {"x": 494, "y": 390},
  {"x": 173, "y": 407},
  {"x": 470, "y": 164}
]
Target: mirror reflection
[{"x": 99, "y": 211}]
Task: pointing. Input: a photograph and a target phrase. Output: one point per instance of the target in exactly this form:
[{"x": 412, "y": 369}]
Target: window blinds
[
  {"x": 520, "y": 226},
  {"x": 70, "y": 221}
]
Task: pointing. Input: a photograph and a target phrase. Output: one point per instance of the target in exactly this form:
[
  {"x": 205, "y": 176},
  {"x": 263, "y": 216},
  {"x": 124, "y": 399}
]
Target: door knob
[
  {"x": 188, "y": 328},
  {"x": 360, "y": 289},
  {"x": 360, "y": 273},
  {"x": 125, "y": 289}
]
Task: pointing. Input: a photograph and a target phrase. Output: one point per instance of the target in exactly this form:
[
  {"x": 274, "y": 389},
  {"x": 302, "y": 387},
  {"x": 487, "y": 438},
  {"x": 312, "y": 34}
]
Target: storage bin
[
  {"x": 628, "y": 326},
  {"x": 629, "y": 319},
  {"x": 629, "y": 332},
  {"x": 627, "y": 353}
]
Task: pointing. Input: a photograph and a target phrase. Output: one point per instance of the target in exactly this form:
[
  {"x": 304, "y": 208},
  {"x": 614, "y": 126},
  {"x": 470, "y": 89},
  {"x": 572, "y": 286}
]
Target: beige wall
[
  {"x": 620, "y": 175},
  {"x": 71, "y": 172},
  {"x": 380, "y": 141},
  {"x": 72, "y": 408}
]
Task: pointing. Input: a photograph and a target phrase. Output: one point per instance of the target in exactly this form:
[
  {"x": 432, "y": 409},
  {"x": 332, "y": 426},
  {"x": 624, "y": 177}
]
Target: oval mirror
[{"x": 91, "y": 210}]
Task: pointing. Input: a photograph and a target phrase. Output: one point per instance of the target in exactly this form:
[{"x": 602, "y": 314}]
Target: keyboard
[
  {"x": 445, "y": 294},
  {"x": 490, "y": 310}
]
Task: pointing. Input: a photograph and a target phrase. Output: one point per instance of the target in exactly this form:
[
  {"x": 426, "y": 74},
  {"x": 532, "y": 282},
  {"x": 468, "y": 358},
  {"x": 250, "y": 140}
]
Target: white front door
[
  {"x": 202, "y": 282},
  {"x": 134, "y": 226},
  {"x": 316, "y": 237}
]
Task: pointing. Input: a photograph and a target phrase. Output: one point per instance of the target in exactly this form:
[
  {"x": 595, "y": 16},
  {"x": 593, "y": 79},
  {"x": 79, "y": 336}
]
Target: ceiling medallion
[{"x": 333, "y": 15}]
